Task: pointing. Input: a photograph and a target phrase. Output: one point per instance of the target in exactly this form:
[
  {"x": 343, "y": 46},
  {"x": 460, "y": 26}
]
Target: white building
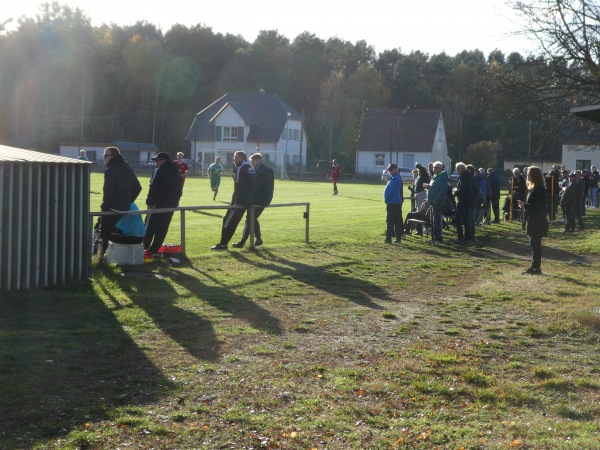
[
  {"x": 404, "y": 137},
  {"x": 245, "y": 122}
]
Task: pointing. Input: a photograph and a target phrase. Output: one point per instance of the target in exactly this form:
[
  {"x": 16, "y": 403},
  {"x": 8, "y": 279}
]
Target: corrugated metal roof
[{"x": 14, "y": 154}]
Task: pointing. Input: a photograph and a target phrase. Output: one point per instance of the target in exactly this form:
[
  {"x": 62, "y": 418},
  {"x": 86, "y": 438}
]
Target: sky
[{"x": 431, "y": 26}]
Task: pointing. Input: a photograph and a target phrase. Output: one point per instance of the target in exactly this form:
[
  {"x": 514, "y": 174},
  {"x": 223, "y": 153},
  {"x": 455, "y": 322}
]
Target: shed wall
[{"x": 45, "y": 233}]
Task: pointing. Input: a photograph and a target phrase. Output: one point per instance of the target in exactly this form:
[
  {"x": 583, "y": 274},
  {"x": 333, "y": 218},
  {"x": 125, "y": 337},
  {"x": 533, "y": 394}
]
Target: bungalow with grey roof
[{"x": 403, "y": 137}]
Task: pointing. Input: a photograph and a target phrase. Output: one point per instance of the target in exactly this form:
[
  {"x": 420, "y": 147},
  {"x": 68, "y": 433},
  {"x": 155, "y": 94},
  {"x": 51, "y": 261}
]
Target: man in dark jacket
[
  {"x": 463, "y": 195},
  {"x": 263, "y": 194},
  {"x": 243, "y": 196},
  {"x": 495, "y": 188},
  {"x": 165, "y": 192},
  {"x": 121, "y": 188}
]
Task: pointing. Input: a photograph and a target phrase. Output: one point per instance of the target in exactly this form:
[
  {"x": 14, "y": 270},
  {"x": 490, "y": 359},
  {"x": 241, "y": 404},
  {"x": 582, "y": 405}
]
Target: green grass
[{"x": 344, "y": 343}]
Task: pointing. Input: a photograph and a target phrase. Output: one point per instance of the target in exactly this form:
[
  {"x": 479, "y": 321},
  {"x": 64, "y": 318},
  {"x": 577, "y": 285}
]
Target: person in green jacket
[{"x": 436, "y": 196}]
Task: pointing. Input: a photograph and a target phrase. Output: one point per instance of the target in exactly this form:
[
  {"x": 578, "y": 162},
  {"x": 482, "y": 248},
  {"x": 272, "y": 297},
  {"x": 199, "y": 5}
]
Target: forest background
[{"x": 64, "y": 80}]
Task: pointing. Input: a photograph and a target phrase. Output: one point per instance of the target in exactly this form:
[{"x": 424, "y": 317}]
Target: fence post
[
  {"x": 307, "y": 217},
  {"x": 183, "y": 233}
]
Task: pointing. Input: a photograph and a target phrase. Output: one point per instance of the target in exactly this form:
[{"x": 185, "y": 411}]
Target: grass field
[{"x": 344, "y": 343}]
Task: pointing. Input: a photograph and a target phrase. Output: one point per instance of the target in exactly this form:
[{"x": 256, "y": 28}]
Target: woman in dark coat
[{"x": 536, "y": 224}]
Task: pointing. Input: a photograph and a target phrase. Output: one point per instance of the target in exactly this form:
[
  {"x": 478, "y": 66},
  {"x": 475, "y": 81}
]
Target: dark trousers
[
  {"x": 230, "y": 222},
  {"x": 394, "y": 221},
  {"x": 570, "y": 215},
  {"x": 156, "y": 231},
  {"x": 257, "y": 212},
  {"x": 579, "y": 214},
  {"x": 463, "y": 222},
  {"x": 536, "y": 251},
  {"x": 436, "y": 221},
  {"x": 107, "y": 226},
  {"x": 496, "y": 209}
]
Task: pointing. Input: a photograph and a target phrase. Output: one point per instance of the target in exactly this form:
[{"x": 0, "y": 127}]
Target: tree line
[{"x": 62, "y": 79}]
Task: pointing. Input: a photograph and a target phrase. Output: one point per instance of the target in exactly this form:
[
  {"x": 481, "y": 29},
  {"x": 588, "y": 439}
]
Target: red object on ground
[{"x": 170, "y": 248}]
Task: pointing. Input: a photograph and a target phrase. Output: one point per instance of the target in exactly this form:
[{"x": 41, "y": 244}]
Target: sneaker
[
  {"x": 435, "y": 242},
  {"x": 397, "y": 241},
  {"x": 388, "y": 241},
  {"x": 459, "y": 241},
  {"x": 533, "y": 271},
  {"x": 238, "y": 245},
  {"x": 219, "y": 247},
  {"x": 258, "y": 242}
]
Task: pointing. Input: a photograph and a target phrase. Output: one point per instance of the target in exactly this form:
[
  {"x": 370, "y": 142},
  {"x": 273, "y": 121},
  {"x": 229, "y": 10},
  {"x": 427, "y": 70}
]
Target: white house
[
  {"x": 401, "y": 136},
  {"x": 245, "y": 122},
  {"x": 578, "y": 154}
]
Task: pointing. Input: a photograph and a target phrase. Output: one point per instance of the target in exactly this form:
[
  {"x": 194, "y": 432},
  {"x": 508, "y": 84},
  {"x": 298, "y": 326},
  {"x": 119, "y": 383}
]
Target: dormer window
[{"x": 230, "y": 134}]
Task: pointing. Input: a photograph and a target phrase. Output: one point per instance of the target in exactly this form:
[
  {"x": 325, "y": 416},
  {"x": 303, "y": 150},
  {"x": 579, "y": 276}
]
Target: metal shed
[{"x": 45, "y": 236}]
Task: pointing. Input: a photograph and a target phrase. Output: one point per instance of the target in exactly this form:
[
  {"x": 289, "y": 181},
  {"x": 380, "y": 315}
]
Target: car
[{"x": 405, "y": 174}]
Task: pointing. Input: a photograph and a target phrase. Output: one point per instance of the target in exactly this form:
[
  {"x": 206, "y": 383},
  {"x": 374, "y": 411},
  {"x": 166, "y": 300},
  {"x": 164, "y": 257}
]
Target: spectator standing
[
  {"x": 495, "y": 188},
  {"x": 83, "y": 155},
  {"x": 263, "y": 194},
  {"x": 594, "y": 181},
  {"x": 215, "y": 170},
  {"x": 585, "y": 175},
  {"x": 243, "y": 196},
  {"x": 165, "y": 192},
  {"x": 568, "y": 203},
  {"x": 517, "y": 186},
  {"x": 580, "y": 186},
  {"x": 463, "y": 201},
  {"x": 121, "y": 188},
  {"x": 554, "y": 190},
  {"x": 436, "y": 197},
  {"x": 393, "y": 198},
  {"x": 335, "y": 174},
  {"x": 536, "y": 222},
  {"x": 182, "y": 166}
]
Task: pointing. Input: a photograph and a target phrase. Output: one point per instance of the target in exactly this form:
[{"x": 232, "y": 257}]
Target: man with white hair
[{"x": 517, "y": 186}]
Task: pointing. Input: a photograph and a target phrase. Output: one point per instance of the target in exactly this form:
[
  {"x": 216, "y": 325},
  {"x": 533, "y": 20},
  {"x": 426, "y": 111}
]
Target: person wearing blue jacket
[
  {"x": 436, "y": 196},
  {"x": 392, "y": 195}
]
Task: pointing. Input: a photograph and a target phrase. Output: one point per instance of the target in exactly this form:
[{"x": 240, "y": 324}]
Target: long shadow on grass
[
  {"x": 323, "y": 278},
  {"x": 222, "y": 298},
  {"x": 159, "y": 299},
  {"x": 65, "y": 360}
]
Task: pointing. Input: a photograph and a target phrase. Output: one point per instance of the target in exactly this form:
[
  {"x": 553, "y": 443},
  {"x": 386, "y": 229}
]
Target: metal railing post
[
  {"x": 307, "y": 217},
  {"x": 183, "y": 233}
]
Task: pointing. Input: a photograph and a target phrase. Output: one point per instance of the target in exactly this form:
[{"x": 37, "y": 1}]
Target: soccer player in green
[{"x": 215, "y": 170}]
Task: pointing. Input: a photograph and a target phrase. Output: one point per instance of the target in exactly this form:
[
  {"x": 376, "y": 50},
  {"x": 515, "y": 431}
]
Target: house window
[
  {"x": 583, "y": 164},
  {"x": 286, "y": 135},
  {"x": 230, "y": 134},
  {"x": 379, "y": 159},
  {"x": 296, "y": 135}
]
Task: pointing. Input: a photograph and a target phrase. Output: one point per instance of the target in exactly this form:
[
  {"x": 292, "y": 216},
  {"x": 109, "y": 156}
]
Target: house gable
[{"x": 264, "y": 117}]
